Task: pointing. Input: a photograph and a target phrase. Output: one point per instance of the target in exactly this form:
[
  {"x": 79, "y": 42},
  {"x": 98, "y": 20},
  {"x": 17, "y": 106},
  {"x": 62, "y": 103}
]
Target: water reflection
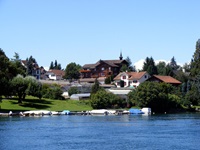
[{"x": 170, "y": 131}]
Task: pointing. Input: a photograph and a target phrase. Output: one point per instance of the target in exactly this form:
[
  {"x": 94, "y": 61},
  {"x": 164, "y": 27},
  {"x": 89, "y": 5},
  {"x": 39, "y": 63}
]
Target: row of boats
[{"x": 101, "y": 112}]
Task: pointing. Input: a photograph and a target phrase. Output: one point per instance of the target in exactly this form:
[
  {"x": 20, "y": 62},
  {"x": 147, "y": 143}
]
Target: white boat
[
  {"x": 99, "y": 112},
  {"x": 146, "y": 111},
  {"x": 37, "y": 112},
  {"x": 111, "y": 112},
  {"x": 55, "y": 113}
]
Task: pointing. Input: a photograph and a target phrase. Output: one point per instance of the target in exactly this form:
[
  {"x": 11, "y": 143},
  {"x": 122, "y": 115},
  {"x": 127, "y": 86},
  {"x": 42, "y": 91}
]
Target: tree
[
  {"x": 34, "y": 87},
  {"x": 173, "y": 64},
  {"x": 149, "y": 66},
  {"x": 20, "y": 86},
  {"x": 124, "y": 68},
  {"x": 95, "y": 87},
  {"x": 51, "y": 66},
  {"x": 160, "y": 97},
  {"x": 55, "y": 65},
  {"x": 130, "y": 67},
  {"x": 161, "y": 66},
  {"x": 72, "y": 71},
  {"x": 195, "y": 63},
  {"x": 52, "y": 91},
  {"x": 73, "y": 90},
  {"x": 30, "y": 63},
  {"x": 4, "y": 73},
  {"x": 103, "y": 99}
]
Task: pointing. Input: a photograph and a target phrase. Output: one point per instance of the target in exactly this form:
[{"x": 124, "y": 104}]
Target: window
[
  {"x": 134, "y": 81},
  {"x": 102, "y": 68},
  {"x": 123, "y": 77},
  {"x": 145, "y": 76}
]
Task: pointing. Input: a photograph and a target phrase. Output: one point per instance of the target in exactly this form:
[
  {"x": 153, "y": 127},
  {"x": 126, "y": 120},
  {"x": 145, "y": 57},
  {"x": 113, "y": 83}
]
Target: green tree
[
  {"x": 160, "y": 97},
  {"x": 195, "y": 64},
  {"x": 52, "y": 91},
  {"x": 73, "y": 90},
  {"x": 30, "y": 63},
  {"x": 4, "y": 73},
  {"x": 149, "y": 66},
  {"x": 124, "y": 68},
  {"x": 173, "y": 64},
  {"x": 161, "y": 67},
  {"x": 72, "y": 71},
  {"x": 34, "y": 87},
  {"x": 51, "y": 65},
  {"x": 130, "y": 67},
  {"x": 55, "y": 65},
  {"x": 20, "y": 86},
  {"x": 95, "y": 87}
]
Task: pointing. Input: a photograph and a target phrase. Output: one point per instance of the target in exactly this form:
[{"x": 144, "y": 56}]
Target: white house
[
  {"x": 54, "y": 74},
  {"x": 131, "y": 79}
]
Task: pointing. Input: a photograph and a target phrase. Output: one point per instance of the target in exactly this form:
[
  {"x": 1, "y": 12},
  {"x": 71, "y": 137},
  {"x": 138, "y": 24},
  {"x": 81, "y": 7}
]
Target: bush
[
  {"x": 103, "y": 99},
  {"x": 73, "y": 90}
]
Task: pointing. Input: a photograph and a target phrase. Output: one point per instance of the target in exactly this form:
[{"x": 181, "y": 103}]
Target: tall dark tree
[
  {"x": 130, "y": 67},
  {"x": 195, "y": 64},
  {"x": 4, "y": 71},
  {"x": 95, "y": 87},
  {"x": 51, "y": 65},
  {"x": 149, "y": 66},
  {"x": 55, "y": 65},
  {"x": 72, "y": 71},
  {"x": 30, "y": 62},
  {"x": 161, "y": 66},
  {"x": 173, "y": 64}
]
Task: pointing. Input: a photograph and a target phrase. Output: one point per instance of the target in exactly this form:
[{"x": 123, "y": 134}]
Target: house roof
[
  {"x": 167, "y": 79},
  {"x": 113, "y": 63},
  {"x": 57, "y": 72},
  {"x": 131, "y": 75}
]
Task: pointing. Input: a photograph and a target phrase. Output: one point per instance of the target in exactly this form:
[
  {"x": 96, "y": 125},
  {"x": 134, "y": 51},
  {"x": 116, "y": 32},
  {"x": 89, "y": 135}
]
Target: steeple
[{"x": 120, "y": 57}]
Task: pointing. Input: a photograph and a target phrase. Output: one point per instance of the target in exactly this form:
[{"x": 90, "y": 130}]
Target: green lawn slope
[{"x": 32, "y": 103}]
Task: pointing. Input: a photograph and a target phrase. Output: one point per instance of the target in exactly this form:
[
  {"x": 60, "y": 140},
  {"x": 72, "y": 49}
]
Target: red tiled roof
[
  {"x": 167, "y": 79},
  {"x": 132, "y": 75},
  {"x": 57, "y": 72}
]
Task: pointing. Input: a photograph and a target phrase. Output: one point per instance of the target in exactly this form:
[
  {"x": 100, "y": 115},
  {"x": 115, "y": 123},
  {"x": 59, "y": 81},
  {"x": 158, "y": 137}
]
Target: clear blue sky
[{"x": 85, "y": 31}]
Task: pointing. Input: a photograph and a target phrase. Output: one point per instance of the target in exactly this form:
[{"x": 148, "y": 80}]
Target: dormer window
[{"x": 123, "y": 77}]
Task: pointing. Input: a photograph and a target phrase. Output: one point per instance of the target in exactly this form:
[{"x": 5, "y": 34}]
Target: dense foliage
[
  {"x": 160, "y": 97},
  {"x": 55, "y": 65},
  {"x": 72, "y": 71},
  {"x": 73, "y": 90},
  {"x": 52, "y": 91},
  {"x": 103, "y": 99}
]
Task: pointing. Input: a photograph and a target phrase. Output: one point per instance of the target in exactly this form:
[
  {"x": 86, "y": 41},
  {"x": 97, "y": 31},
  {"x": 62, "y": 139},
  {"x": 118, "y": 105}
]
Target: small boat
[
  {"x": 135, "y": 111},
  {"x": 65, "y": 112},
  {"x": 37, "y": 113},
  {"x": 146, "y": 111},
  {"x": 55, "y": 113},
  {"x": 99, "y": 112}
]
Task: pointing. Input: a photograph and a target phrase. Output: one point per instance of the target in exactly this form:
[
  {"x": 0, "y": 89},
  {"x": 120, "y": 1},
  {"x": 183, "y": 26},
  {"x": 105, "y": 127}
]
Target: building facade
[
  {"x": 131, "y": 79},
  {"x": 103, "y": 68}
]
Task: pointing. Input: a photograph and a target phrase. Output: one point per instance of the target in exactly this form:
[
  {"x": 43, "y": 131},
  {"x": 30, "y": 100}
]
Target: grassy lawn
[{"x": 32, "y": 103}]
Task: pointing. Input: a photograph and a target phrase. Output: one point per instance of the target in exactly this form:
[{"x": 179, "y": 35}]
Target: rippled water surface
[{"x": 156, "y": 132}]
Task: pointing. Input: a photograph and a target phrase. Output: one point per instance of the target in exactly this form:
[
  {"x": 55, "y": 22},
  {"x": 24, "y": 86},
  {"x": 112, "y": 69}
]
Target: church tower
[{"x": 120, "y": 57}]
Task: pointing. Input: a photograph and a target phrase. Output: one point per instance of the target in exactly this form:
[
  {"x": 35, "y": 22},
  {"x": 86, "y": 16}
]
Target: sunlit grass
[{"x": 32, "y": 103}]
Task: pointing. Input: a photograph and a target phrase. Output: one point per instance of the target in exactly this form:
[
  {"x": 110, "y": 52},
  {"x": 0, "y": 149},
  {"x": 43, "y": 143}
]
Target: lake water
[{"x": 156, "y": 132}]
